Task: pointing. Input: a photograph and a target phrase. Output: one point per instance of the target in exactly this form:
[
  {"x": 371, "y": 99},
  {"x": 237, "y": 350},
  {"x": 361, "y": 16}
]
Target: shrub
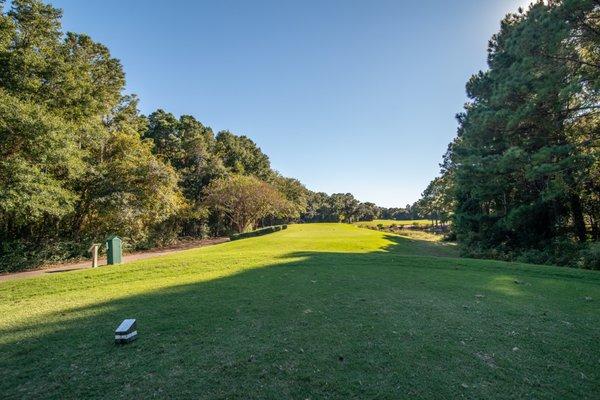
[
  {"x": 450, "y": 236},
  {"x": 258, "y": 232},
  {"x": 20, "y": 255},
  {"x": 590, "y": 256},
  {"x": 533, "y": 256}
]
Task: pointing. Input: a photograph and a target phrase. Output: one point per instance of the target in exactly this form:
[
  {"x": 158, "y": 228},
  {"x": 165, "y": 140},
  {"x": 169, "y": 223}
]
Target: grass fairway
[
  {"x": 316, "y": 311},
  {"x": 390, "y": 222}
]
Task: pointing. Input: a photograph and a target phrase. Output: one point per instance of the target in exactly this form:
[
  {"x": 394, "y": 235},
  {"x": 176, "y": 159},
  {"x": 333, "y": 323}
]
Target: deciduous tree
[{"x": 244, "y": 200}]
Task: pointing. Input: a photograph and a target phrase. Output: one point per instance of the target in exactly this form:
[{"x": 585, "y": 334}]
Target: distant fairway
[
  {"x": 390, "y": 222},
  {"x": 316, "y": 311}
]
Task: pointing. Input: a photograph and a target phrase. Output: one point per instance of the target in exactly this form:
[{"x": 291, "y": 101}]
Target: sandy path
[{"x": 73, "y": 266}]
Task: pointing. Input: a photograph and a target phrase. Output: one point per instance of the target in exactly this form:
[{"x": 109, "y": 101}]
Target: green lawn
[
  {"x": 315, "y": 311},
  {"x": 390, "y": 222}
]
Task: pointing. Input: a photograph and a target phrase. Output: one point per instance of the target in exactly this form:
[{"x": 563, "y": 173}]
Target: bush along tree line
[
  {"x": 521, "y": 181},
  {"x": 79, "y": 162},
  {"x": 258, "y": 232}
]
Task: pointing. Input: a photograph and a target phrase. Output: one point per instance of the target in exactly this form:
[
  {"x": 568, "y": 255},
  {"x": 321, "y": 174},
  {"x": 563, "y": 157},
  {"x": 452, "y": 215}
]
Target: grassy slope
[{"x": 315, "y": 311}]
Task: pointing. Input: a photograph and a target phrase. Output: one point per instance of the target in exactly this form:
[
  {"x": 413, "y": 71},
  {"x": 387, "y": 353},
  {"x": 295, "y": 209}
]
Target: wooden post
[{"x": 94, "y": 251}]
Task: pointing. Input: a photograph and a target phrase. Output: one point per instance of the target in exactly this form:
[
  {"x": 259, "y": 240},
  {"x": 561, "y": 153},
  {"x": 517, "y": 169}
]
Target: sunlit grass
[
  {"x": 416, "y": 234},
  {"x": 315, "y": 311},
  {"x": 390, "y": 222}
]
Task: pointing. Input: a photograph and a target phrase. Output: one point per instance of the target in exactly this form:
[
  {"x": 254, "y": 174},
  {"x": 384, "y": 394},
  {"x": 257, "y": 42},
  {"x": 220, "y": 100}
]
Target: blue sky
[{"x": 347, "y": 96}]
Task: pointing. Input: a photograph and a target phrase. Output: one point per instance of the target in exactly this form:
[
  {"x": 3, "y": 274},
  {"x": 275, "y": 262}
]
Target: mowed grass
[
  {"x": 315, "y": 311},
  {"x": 420, "y": 235},
  {"x": 390, "y": 222}
]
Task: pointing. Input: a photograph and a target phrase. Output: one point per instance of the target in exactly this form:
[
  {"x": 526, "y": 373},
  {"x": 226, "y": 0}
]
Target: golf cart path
[{"x": 85, "y": 264}]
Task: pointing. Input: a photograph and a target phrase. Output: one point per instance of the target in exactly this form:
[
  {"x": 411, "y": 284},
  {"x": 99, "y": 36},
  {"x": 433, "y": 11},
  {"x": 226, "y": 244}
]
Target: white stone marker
[
  {"x": 126, "y": 332},
  {"x": 94, "y": 251}
]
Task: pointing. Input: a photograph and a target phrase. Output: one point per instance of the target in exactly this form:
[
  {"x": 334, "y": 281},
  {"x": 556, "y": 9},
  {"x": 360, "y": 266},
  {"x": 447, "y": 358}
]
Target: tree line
[
  {"x": 521, "y": 180},
  {"x": 78, "y": 161}
]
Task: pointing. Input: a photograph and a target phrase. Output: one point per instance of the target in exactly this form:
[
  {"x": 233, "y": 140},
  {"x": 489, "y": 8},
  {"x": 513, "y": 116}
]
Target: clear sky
[{"x": 347, "y": 96}]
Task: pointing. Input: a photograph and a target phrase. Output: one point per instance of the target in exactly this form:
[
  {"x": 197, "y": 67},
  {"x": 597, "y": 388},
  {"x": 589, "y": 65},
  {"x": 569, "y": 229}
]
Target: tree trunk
[
  {"x": 595, "y": 229},
  {"x": 578, "y": 219}
]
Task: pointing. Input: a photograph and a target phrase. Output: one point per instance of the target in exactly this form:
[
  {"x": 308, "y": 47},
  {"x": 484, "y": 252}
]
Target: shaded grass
[{"x": 317, "y": 311}]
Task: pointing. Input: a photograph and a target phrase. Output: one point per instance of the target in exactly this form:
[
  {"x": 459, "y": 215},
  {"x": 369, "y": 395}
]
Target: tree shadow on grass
[{"x": 320, "y": 325}]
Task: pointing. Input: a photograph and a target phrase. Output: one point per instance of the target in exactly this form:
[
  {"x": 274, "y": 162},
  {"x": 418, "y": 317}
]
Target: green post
[{"x": 114, "y": 252}]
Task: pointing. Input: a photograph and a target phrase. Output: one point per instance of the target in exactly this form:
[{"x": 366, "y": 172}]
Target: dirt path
[{"x": 73, "y": 266}]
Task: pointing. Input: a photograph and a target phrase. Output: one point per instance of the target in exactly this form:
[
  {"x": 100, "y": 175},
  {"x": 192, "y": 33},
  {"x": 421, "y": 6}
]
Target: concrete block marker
[
  {"x": 126, "y": 332},
  {"x": 94, "y": 251}
]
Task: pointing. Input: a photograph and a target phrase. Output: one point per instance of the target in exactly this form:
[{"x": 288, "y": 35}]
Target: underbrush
[
  {"x": 590, "y": 256},
  {"x": 19, "y": 255},
  {"x": 560, "y": 252}
]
